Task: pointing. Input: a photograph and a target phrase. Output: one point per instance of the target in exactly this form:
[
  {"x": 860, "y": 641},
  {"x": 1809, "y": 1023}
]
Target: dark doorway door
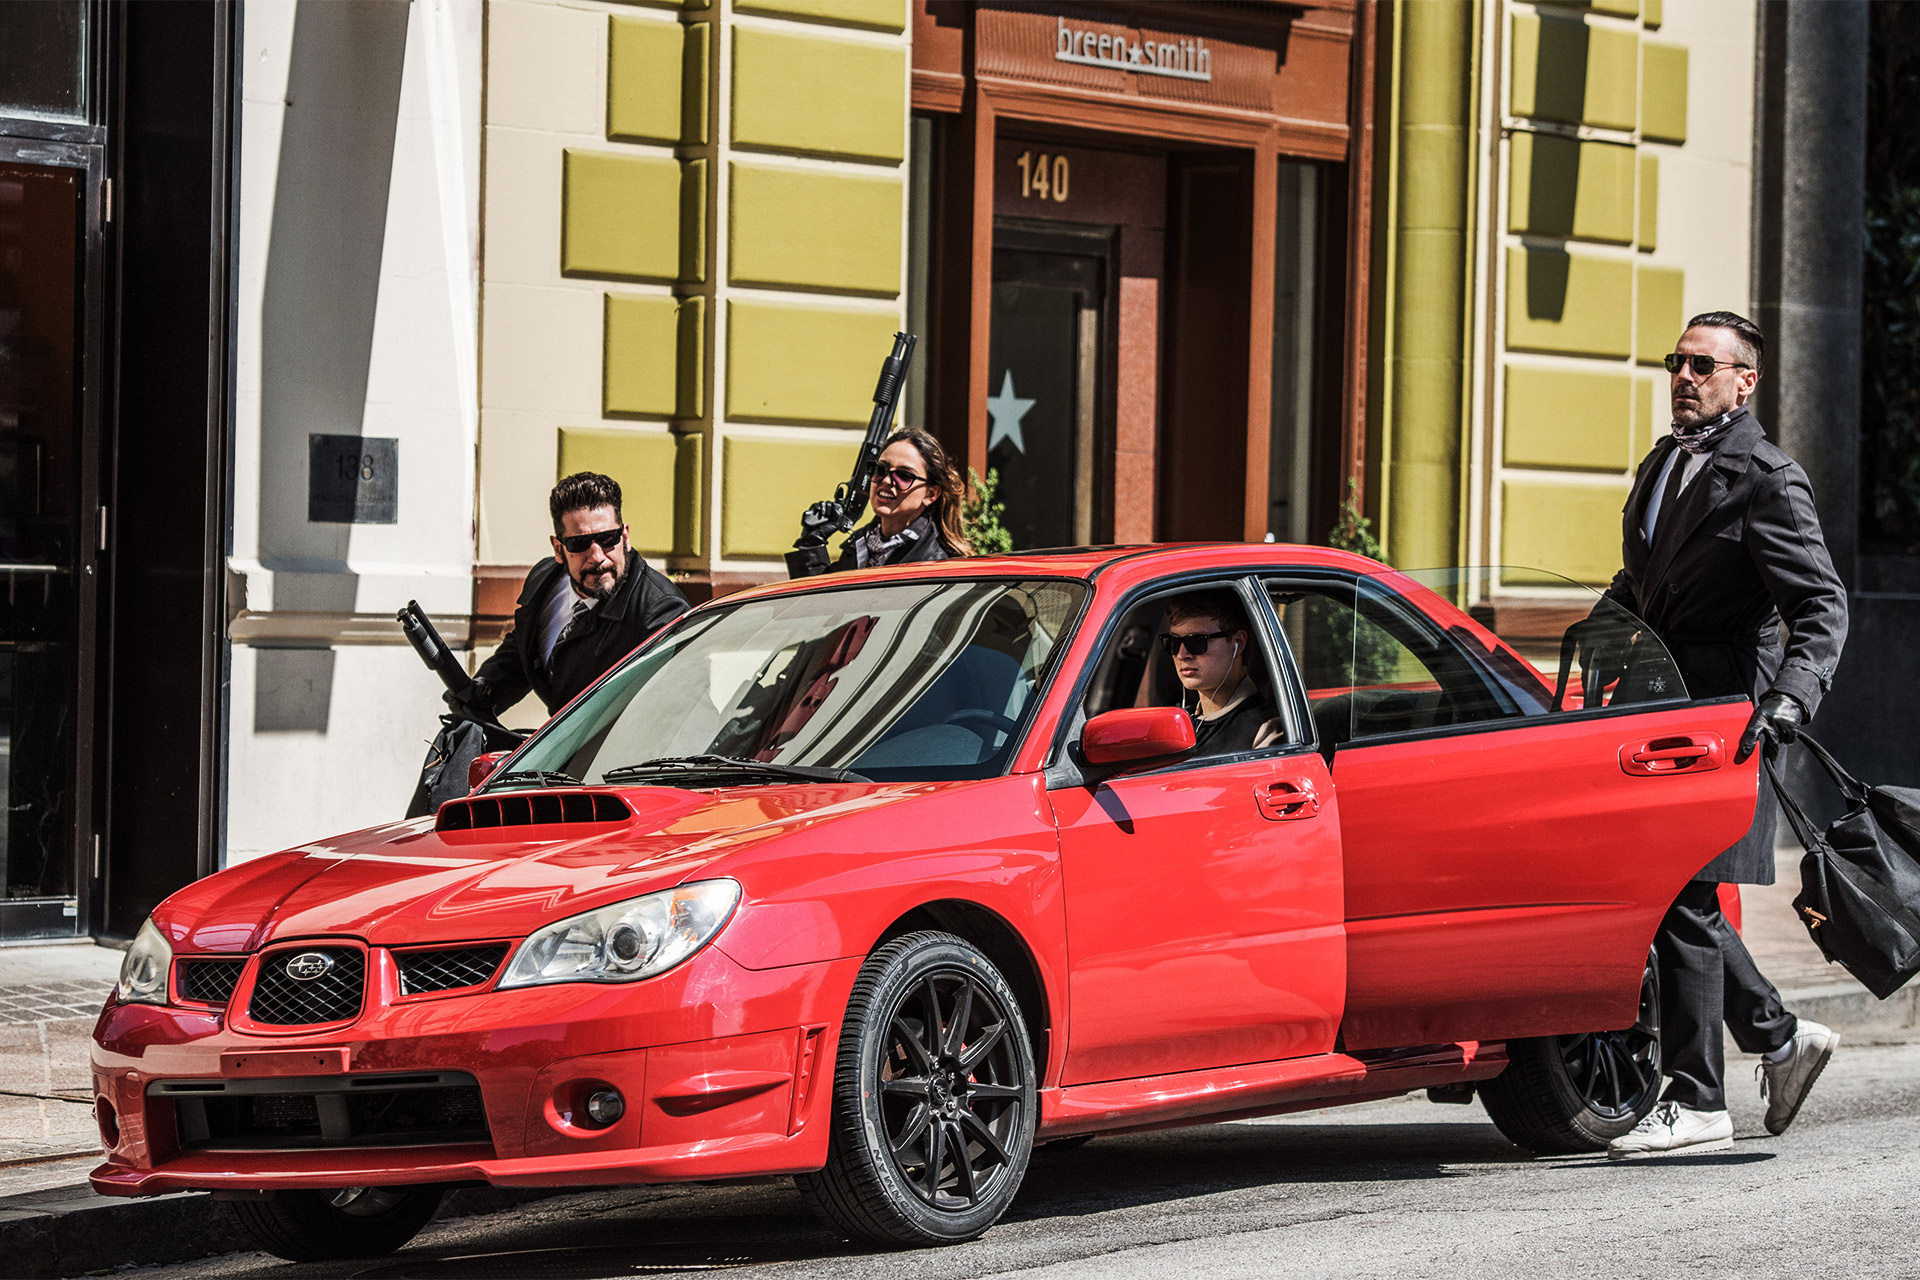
[
  {"x": 1048, "y": 427},
  {"x": 48, "y": 457}
]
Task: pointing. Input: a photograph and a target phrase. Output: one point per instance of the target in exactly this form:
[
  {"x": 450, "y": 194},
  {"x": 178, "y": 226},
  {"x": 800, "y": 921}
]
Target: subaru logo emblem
[{"x": 309, "y": 965}]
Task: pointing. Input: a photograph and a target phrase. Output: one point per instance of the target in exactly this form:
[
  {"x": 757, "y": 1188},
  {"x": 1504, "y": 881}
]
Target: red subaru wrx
[{"x": 878, "y": 880}]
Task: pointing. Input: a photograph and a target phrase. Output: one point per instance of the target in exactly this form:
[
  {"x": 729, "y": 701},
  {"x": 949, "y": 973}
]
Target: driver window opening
[{"x": 1201, "y": 651}]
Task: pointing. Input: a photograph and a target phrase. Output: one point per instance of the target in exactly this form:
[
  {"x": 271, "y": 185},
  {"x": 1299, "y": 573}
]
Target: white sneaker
[
  {"x": 1670, "y": 1127},
  {"x": 1784, "y": 1085}
]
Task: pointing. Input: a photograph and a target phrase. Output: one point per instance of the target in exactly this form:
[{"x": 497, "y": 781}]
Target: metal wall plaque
[{"x": 353, "y": 480}]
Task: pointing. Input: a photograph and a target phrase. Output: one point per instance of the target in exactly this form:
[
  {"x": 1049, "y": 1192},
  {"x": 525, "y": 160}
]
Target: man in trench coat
[{"x": 1722, "y": 545}]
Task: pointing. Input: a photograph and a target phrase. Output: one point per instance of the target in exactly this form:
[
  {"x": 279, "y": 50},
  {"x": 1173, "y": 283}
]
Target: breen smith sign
[{"x": 1181, "y": 59}]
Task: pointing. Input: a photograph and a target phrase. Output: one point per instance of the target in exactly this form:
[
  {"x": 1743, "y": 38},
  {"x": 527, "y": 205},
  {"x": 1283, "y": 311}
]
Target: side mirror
[
  {"x": 482, "y": 768},
  {"x": 1134, "y": 734}
]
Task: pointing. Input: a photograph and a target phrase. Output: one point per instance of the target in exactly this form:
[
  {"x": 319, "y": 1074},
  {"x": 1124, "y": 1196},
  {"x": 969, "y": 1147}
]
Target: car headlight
[
  {"x": 628, "y": 940},
  {"x": 143, "y": 974}
]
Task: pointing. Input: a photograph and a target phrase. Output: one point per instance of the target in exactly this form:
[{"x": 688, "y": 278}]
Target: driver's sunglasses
[
  {"x": 1196, "y": 644},
  {"x": 1703, "y": 366},
  {"x": 605, "y": 539},
  {"x": 897, "y": 477}
]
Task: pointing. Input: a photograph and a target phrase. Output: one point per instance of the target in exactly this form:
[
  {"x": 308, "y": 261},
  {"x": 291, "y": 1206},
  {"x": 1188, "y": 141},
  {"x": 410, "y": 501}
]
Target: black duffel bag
[
  {"x": 459, "y": 743},
  {"x": 1860, "y": 881}
]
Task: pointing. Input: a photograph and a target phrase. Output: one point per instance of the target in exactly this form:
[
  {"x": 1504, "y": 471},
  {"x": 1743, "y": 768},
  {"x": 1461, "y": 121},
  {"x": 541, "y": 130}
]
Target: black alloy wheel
[
  {"x": 1617, "y": 1073},
  {"x": 934, "y": 1100},
  {"x": 1562, "y": 1095}
]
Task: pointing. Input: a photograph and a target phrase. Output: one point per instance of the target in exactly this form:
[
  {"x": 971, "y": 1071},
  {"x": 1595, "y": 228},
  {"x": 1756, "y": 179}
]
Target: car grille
[
  {"x": 283, "y": 1000},
  {"x": 447, "y": 969},
  {"x": 531, "y": 809},
  {"x": 209, "y": 981},
  {"x": 395, "y": 1110}
]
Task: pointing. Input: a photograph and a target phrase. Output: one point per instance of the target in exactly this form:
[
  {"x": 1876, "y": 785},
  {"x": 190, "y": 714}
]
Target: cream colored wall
[{"x": 1631, "y": 208}]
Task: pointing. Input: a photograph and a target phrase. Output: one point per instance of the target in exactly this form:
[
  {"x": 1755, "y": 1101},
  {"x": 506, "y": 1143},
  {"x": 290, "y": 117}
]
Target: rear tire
[
  {"x": 346, "y": 1222},
  {"x": 1564, "y": 1095},
  {"x": 934, "y": 1099}
]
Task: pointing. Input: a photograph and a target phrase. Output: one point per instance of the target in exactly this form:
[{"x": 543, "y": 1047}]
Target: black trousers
[{"x": 1706, "y": 977}]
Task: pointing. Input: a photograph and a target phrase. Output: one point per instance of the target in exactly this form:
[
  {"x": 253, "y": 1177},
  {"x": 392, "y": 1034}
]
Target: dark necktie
[
  {"x": 580, "y": 608},
  {"x": 1671, "y": 495}
]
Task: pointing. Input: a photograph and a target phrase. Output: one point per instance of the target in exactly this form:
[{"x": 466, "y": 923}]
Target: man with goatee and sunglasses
[
  {"x": 1722, "y": 547},
  {"x": 583, "y": 610}
]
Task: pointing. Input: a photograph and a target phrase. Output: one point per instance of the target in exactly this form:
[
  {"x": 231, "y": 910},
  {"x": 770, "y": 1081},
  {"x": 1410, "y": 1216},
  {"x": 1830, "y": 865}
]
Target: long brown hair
[{"x": 944, "y": 481}]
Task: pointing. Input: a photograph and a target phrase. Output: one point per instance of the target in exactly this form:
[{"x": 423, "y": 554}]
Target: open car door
[{"x": 1506, "y": 862}]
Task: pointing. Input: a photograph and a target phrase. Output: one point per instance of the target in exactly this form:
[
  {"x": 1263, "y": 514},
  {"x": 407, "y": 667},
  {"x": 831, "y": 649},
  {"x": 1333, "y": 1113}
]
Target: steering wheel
[{"x": 991, "y": 719}]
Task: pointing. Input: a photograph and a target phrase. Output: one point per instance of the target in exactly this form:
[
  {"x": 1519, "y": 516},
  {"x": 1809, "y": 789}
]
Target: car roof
[{"x": 1134, "y": 561}]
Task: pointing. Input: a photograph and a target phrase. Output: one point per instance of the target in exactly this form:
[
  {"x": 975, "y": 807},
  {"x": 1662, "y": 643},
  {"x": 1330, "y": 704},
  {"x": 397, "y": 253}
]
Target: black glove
[
  {"x": 1603, "y": 650},
  {"x": 1778, "y": 719},
  {"x": 477, "y": 705}
]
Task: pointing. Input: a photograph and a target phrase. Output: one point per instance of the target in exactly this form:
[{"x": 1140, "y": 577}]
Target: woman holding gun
[{"x": 916, "y": 497}]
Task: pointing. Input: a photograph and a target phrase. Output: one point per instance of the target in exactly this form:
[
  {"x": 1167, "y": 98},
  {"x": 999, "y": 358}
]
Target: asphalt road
[{"x": 1402, "y": 1188}]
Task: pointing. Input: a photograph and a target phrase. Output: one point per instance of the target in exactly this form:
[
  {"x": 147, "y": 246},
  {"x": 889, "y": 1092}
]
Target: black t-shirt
[{"x": 1235, "y": 731}]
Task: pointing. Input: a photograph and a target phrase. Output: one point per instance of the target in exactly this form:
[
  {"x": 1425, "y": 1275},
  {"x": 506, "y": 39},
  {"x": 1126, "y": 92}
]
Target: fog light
[
  {"x": 109, "y": 1123},
  {"x": 605, "y": 1106}
]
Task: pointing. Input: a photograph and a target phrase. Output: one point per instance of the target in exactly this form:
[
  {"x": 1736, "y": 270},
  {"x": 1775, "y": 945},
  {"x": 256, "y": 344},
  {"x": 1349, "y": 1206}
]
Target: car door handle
[
  {"x": 1681, "y": 753},
  {"x": 1282, "y": 800}
]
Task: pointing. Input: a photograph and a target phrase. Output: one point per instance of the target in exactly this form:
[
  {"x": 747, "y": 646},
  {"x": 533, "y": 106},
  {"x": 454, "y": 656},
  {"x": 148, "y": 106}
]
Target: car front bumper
[{"x": 725, "y": 1072}]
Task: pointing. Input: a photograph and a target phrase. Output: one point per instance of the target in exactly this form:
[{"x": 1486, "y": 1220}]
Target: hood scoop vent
[{"x": 541, "y": 808}]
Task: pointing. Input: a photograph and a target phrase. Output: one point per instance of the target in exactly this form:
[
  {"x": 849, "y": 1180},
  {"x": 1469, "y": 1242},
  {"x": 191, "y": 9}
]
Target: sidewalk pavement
[{"x": 52, "y": 1224}]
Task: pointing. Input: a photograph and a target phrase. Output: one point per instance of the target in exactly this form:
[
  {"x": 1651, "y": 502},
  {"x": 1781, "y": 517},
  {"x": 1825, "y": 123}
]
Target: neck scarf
[
  {"x": 1701, "y": 437},
  {"x": 874, "y": 548}
]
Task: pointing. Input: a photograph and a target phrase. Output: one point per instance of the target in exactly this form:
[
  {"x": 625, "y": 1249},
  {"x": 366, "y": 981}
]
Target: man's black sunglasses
[
  {"x": 1703, "y": 366},
  {"x": 607, "y": 539},
  {"x": 1196, "y": 644}
]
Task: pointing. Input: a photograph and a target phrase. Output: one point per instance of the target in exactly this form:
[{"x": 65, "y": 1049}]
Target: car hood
[{"x": 406, "y": 883}]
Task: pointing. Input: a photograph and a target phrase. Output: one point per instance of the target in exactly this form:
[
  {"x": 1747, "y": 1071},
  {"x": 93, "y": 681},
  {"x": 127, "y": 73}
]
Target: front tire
[
  {"x": 934, "y": 1098},
  {"x": 1563, "y": 1095},
  {"x": 347, "y": 1222}
]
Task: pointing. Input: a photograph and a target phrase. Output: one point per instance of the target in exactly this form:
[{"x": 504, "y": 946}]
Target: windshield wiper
[
  {"x": 672, "y": 765},
  {"x": 539, "y": 778}
]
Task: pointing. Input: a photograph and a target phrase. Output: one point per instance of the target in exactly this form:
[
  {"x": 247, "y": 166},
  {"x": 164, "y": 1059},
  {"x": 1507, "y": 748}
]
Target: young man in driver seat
[{"x": 1209, "y": 637}]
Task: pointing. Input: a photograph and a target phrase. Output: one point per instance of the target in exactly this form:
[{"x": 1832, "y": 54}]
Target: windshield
[{"x": 908, "y": 681}]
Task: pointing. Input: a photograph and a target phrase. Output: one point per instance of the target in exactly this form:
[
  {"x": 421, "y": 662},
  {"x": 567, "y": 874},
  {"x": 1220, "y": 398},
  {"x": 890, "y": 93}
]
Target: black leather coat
[
  {"x": 1740, "y": 552},
  {"x": 645, "y": 601}
]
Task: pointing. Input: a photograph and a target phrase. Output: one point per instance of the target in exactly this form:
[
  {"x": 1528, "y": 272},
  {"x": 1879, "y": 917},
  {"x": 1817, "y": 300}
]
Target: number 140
[{"x": 1043, "y": 177}]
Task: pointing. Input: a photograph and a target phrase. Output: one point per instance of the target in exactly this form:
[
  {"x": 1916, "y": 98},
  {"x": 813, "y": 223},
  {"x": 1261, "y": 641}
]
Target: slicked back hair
[
  {"x": 581, "y": 490},
  {"x": 1749, "y": 343},
  {"x": 1221, "y": 605}
]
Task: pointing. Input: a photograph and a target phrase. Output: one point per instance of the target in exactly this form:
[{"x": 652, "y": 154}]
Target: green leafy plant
[
  {"x": 1354, "y": 531},
  {"x": 980, "y": 515}
]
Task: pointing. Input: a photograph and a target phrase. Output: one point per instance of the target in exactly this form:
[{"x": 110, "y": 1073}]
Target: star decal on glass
[{"x": 1007, "y": 410}]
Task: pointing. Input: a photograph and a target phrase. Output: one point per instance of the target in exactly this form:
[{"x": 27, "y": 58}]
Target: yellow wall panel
[
  {"x": 806, "y": 229},
  {"x": 803, "y": 364},
  {"x": 816, "y": 93},
  {"x": 1565, "y": 187},
  {"x": 765, "y": 484},
  {"x": 1578, "y": 303},
  {"x": 653, "y": 76},
  {"x": 642, "y": 462},
  {"x": 878, "y": 15},
  {"x": 1648, "y": 235},
  {"x": 1653, "y": 12},
  {"x": 653, "y": 363},
  {"x": 1663, "y": 105},
  {"x": 632, "y": 216},
  {"x": 1572, "y": 71},
  {"x": 1568, "y": 418},
  {"x": 1659, "y": 311},
  {"x": 1569, "y": 529},
  {"x": 1647, "y": 392},
  {"x": 1618, "y": 8}
]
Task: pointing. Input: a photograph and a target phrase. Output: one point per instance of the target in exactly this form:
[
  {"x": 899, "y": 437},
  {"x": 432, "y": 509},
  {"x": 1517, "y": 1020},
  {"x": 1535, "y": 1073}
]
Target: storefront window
[{"x": 43, "y": 59}]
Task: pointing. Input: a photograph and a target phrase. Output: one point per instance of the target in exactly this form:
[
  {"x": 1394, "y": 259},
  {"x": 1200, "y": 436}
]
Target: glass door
[
  {"x": 47, "y": 564},
  {"x": 1046, "y": 351}
]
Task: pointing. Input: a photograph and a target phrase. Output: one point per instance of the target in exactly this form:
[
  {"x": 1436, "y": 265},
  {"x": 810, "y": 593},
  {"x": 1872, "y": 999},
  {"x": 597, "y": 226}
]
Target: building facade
[{"x": 305, "y": 304}]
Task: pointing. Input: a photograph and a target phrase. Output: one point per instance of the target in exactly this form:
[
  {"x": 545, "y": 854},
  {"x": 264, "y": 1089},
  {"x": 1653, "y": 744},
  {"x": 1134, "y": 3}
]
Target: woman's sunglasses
[
  {"x": 1703, "y": 366},
  {"x": 897, "y": 477},
  {"x": 605, "y": 539},
  {"x": 1196, "y": 644}
]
